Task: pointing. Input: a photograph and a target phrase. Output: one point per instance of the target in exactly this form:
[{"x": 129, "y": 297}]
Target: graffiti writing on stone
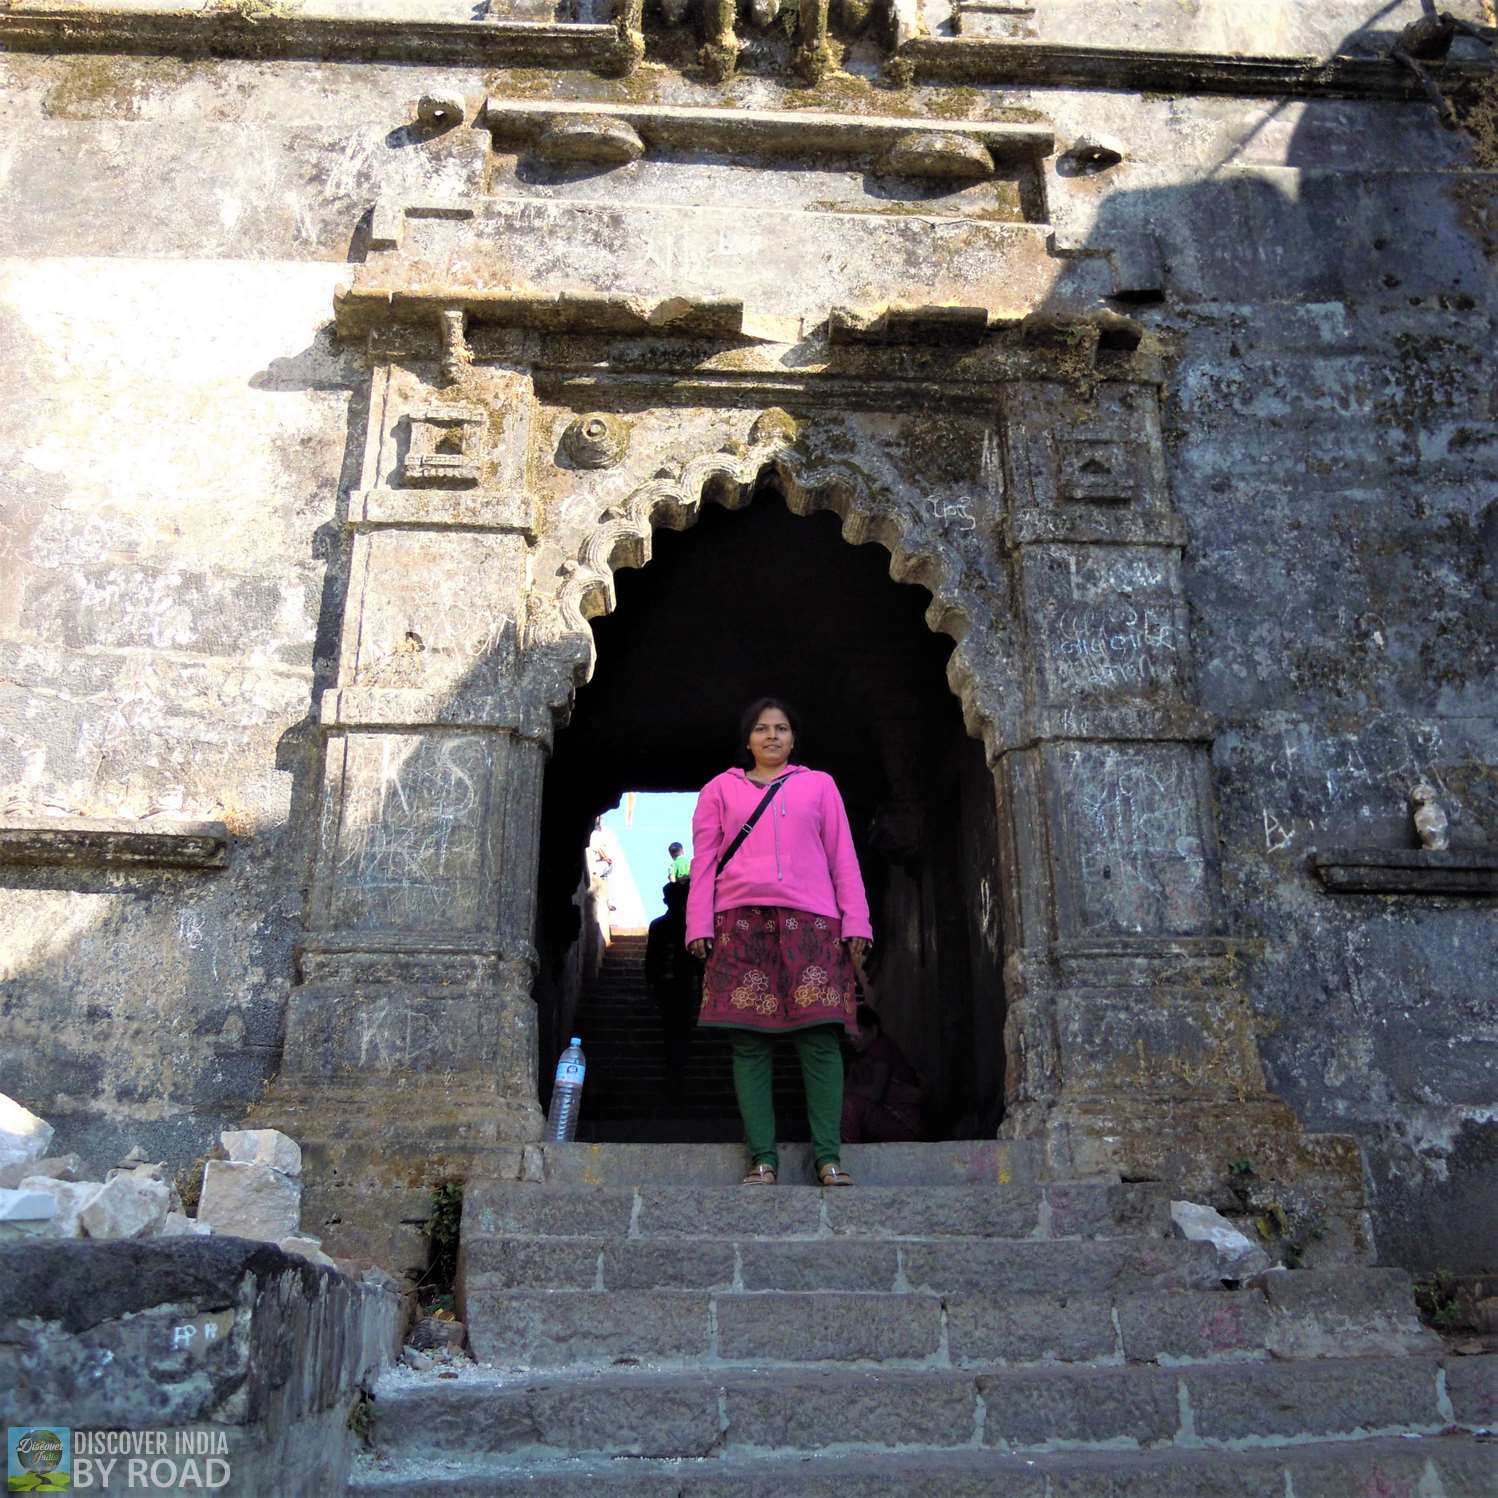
[
  {"x": 953, "y": 514},
  {"x": 1091, "y": 650},
  {"x": 1330, "y": 785},
  {"x": 411, "y": 837},
  {"x": 1135, "y": 830}
]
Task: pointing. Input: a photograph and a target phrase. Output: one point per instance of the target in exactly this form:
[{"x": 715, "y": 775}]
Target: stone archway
[
  {"x": 1031, "y": 501},
  {"x": 755, "y": 591}
]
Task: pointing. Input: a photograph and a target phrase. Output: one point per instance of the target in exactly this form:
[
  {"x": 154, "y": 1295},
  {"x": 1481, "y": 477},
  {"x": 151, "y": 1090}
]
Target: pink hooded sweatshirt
[{"x": 800, "y": 853}]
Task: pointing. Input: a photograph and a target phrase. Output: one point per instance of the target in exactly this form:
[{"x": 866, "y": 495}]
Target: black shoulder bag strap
[{"x": 748, "y": 827}]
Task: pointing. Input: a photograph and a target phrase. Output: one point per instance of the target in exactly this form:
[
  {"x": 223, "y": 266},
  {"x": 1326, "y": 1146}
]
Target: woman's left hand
[{"x": 859, "y": 947}]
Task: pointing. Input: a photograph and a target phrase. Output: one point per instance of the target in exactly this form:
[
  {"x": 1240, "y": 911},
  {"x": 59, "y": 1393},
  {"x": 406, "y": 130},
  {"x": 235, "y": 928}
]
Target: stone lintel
[
  {"x": 363, "y": 309},
  {"x": 282, "y": 33},
  {"x": 110, "y": 842},
  {"x": 766, "y": 132},
  {"x": 991, "y": 60},
  {"x": 1121, "y": 723},
  {"x": 445, "y": 509},
  {"x": 1408, "y": 871},
  {"x": 404, "y": 708}
]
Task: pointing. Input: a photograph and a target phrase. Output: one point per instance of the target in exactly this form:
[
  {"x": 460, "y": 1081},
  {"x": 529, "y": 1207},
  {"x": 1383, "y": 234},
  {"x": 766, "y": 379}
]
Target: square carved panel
[
  {"x": 444, "y": 446},
  {"x": 1098, "y": 470}
]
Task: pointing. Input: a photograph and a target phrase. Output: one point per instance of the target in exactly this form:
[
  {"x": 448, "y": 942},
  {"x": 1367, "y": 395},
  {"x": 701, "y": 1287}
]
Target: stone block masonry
[{"x": 1187, "y": 433}]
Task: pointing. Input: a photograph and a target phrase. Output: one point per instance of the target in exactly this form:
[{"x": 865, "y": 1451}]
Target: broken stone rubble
[
  {"x": 1238, "y": 1257},
  {"x": 23, "y": 1136},
  {"x": 250, "y": 1201},
  {"x": 263, "y": 1147},
  {"x": 57, "y": 1167},
  {"x": 253, "y": 1194},
  {"x": 126, "y": 1207},
  {"x": 69, "y": 1200},
  {"x": 25, "y": 1213}
]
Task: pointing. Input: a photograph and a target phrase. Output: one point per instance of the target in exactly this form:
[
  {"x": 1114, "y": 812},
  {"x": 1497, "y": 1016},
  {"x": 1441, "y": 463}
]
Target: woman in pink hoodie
[{"x": 779, "y": 920}]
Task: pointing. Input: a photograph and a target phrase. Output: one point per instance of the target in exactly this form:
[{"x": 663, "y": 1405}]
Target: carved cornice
[
  {"x": 617, "y": 48},
  {"x": 1408, "y": 871},
  {"x": 363, "y": 309},
  {"x": 210, "y": 32},
  {"x": 1052, "y": 65},
  {"x": 113, "y": 843}
]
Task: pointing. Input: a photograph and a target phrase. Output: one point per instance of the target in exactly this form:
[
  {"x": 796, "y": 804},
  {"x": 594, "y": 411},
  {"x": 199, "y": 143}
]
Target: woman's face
[{"x": 771, "y": 740}]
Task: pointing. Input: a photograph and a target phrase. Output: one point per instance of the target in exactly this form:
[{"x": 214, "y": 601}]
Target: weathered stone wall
[
  {"x": 235, "y": 1350},
  {"x": 180, "y": 433}
]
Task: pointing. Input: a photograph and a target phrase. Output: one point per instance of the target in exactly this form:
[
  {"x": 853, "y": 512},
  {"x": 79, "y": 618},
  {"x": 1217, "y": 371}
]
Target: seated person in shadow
[
  {"x": 883, "y": 1092},
  {"x": 673, "y": 978}
]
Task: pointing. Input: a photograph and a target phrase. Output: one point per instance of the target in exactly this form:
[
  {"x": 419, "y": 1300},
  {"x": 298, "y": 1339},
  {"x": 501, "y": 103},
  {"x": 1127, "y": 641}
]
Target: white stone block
[
  {"x": 1238, "y": 1256},
  {"x": 126, "y": 1208},
  {"x": 307, "y": 1248},
  {"x": 263, "y": 1147},
  {"x": 25, "y": 1205},
  {"x": 243, "y": 1200},
  {"x": 23, "y": 1136},
  {"x": 69, "y": 1199},
  {"x": 180, "y": 1225}
]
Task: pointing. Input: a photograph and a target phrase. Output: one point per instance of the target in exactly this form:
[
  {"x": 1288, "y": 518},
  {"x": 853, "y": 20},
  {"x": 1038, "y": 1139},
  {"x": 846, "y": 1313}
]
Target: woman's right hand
[{"x": 700, "y": 948}]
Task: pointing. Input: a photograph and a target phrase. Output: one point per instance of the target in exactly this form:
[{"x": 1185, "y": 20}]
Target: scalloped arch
[{"x": 978, "y": 668}]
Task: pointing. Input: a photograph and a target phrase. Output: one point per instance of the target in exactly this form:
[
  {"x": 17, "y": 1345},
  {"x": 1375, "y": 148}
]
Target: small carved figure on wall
[{"x": 1431, "y": 824}]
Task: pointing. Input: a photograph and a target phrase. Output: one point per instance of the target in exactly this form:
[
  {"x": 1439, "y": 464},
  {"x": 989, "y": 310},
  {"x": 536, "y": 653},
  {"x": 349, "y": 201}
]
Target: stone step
[
  {"x": 515, "y": 1209},
  {"x": 530, "y": 1420},
  {"x": 952, "y": 1162},
  {"x": 557, "y": 1328},
  {"x": 491, "y": 1266},
  {"x": 1449, "y": 1467}
]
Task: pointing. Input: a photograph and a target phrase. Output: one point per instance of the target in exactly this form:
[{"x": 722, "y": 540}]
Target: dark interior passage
[{"x": 758, "y": 600}]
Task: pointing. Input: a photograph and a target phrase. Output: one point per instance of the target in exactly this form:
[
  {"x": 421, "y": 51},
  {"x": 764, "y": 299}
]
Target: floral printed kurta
[{"x": 776, "y": 969}]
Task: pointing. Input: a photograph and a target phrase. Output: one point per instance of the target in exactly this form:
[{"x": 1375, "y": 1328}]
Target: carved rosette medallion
[{"x": 596, "y": 439}]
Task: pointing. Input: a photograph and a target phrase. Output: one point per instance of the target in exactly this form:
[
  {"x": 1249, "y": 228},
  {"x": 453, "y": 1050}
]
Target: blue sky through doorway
[{"x": 659, "y": 818}]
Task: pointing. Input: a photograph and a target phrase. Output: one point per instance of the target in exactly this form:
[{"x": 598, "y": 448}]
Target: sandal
[
  {"x": 760, "y": 1175},
  {"x": 833, "y": 1174}
]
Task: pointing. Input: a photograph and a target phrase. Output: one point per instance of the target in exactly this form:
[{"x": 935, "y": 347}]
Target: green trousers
[{"x": 822, "y": 1075}]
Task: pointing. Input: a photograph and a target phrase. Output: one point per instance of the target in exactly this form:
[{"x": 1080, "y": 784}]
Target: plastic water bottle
[{"x": 566, "y": 1095}]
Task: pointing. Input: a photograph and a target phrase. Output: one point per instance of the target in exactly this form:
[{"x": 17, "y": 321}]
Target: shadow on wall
[{"x": 1327, "y": 299}]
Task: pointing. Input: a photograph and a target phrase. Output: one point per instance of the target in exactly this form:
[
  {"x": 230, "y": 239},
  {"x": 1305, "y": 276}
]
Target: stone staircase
[
  {"x": 642, "y": 1329},
  {"x": 627, "y": 1093}
]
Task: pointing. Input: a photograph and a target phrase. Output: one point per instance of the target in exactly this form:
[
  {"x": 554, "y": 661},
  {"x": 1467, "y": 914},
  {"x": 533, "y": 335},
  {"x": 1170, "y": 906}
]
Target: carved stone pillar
[
  {"x": 411, "y": 1041},
  {"x": 1130, "y": 1042}
]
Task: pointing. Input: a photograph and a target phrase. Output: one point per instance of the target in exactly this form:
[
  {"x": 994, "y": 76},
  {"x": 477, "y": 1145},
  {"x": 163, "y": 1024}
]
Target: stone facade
[{"x": 350, "y": 356}]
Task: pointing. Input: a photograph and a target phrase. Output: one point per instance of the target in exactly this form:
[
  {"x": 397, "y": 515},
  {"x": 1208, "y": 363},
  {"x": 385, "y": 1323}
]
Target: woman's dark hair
[{"x": 750, "y": 717}]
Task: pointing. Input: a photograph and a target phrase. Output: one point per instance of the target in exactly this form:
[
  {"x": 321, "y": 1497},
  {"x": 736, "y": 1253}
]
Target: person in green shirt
[{"x": 679, "y": 864}]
